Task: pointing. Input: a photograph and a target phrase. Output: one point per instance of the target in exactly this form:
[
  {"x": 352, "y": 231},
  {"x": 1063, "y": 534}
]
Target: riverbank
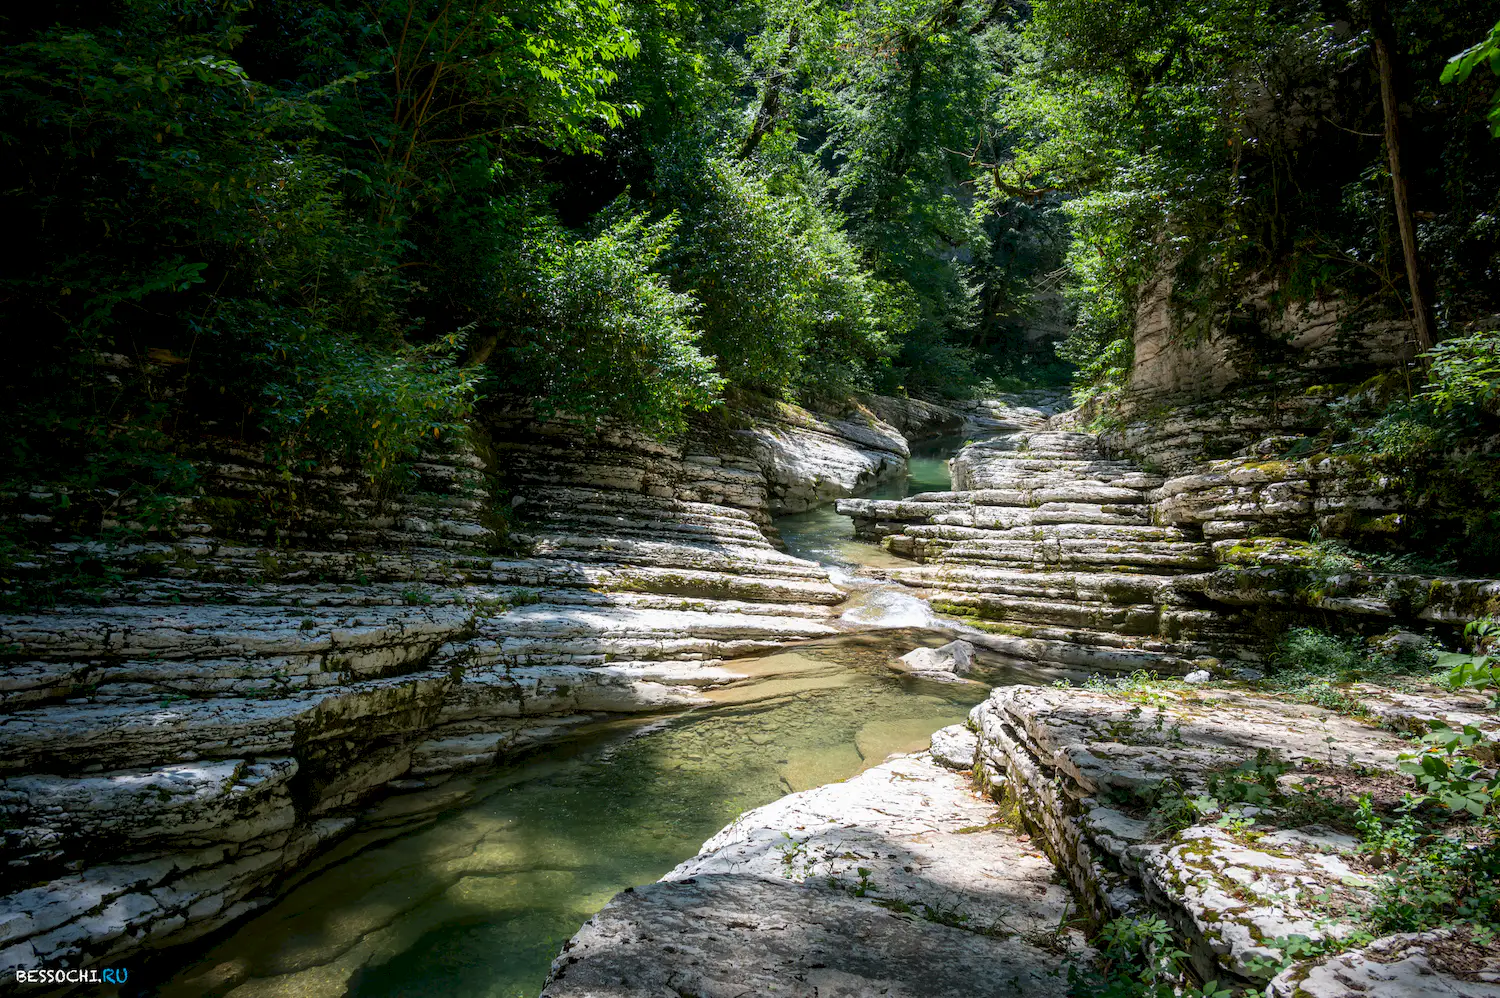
[{"x": 247, "y": 689}]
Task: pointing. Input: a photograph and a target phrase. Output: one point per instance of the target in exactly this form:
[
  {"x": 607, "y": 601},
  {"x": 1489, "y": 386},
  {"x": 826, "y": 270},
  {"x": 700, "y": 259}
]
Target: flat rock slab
[
  {"x": 728, "y": 936},
  {"x": 1084, "y": 765},
  {"x": 899, "y": 882}
]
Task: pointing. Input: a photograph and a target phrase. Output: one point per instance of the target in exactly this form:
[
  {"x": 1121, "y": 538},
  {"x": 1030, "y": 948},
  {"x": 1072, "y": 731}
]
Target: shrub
[{"x": 601, "y": 334}]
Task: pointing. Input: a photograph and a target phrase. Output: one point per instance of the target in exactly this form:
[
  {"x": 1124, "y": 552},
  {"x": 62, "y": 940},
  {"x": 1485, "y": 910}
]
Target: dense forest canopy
[{"x": 331, "y": 227}]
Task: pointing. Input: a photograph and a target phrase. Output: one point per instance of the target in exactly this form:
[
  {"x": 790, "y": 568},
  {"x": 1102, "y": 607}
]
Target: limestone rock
[
  {"x": 1444, "y": 964},
  {"x": 149, "y": 746},
  {"x": 955, "y": 657},
  {"x": 783, "y": 901},
  {"x": 1075, "y": 759},
  {"x": 729, "y": 935},
  {"x": 955, "y": 747}
]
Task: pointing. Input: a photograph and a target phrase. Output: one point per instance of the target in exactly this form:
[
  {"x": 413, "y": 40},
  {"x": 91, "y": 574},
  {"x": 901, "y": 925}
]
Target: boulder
[
  {"x": 955, "y": 747},
  {"x": 955, "y": 657}
]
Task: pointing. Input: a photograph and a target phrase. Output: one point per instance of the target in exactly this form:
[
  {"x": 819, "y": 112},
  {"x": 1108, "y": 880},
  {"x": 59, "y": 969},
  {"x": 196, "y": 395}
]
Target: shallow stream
[
  {"x": 476, "y": 901},
  {"x": 822, "y": 535}
]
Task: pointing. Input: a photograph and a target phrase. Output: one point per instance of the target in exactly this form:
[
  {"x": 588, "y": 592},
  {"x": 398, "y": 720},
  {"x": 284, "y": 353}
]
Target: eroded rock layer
[
  {"x": 289, "y": 649},
  {"x": 1094, "y": 773},
  {"x": 1065, "y": 551}
]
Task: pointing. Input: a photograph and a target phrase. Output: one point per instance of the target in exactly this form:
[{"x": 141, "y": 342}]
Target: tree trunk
[
  {"x": 1384, "y": 59},
  {"x": 770, "y": 104}
]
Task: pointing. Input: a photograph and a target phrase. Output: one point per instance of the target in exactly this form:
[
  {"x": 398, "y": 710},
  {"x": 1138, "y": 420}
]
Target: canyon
[{"x": 174, "y": 756}]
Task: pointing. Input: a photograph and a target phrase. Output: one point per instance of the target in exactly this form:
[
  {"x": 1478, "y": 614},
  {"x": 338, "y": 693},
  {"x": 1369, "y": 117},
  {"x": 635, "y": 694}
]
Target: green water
[
  {"x": 477, "y": 901},
  {"x": 822, "y": 535},
  {"x": 469, "y": 889}
]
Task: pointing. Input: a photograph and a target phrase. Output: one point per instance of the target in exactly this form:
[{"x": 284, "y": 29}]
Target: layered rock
[
  {"x": 1050, "y": 547},
  {"x": 900, "y": 881},
  {"x": 1093, "y": 772},
  {"x": 290, "y": 648}
]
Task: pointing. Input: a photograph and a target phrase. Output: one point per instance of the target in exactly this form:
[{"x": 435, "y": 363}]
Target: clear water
[
  {"x": 822, "y": 535},
  {"x": 477, "y": 902}
]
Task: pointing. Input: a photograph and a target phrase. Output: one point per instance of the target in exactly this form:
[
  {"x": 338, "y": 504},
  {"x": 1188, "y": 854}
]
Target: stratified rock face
[
  {"x": 1087, "y": 767},
  {"x": 1069, "y": 554},
  {"x": 766, "y": 460},
  {"x": 897, "y": 882},
  {"x": 166, "y": 757},
  {"x": 1051, "y": 548},
  {"x": 1266, "y": 340}
]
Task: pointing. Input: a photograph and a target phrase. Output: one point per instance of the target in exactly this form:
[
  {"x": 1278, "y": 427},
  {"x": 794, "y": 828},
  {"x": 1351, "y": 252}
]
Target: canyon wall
[{"x": 290, "y": 650}]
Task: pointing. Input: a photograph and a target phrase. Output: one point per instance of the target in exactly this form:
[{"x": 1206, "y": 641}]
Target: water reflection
[
  {"x": 479, "y": 900},
  {"x": 822, "y": 535}
]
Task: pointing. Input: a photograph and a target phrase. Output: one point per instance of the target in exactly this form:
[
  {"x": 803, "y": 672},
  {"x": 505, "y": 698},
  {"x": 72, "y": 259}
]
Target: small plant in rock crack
[
  {"x": 948, "y": 915},
  {"x": 1172, "y": 809},
  {"x": 794, "y": 859},
  {"x": 862, "y": 886},
  {"x": 1299, "y": 947},
  {"x": 1138, "y": 958},
  {"x": 1252, "y": 781}
]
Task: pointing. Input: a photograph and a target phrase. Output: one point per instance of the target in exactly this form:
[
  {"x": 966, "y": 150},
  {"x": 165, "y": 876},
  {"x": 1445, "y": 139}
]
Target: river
[{"x": 469, "y": 889}]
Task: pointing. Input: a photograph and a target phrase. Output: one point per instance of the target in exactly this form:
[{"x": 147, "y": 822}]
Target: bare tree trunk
[{"x": 1384, "y": 60}]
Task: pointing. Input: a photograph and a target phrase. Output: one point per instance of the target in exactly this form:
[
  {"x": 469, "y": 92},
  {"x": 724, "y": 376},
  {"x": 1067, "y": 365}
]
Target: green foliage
[
  {"x": 1172, "y": 810},
  {"x": 1481, "y": 670},
  {"x": 1313, "y": 666},
  {"x": 1217, "y": 152},
  {"x": 1464, "y": 375},
  {"x": 1138, "y": 959},
  {"x": 1432, "y": 447},
  {"x": 1435, "y": 877},
  {"x": 600, "y": 334},
  {"x": 1485, "y": 53},
  {"x": 786, "y": 307},
  {"x": 1446, "y": 770},
  {"x": 1252, "y": 781},
  {"x": 1441, "y": 869},
  {"x": 238, "y": 232},
  {"x": 1318, "y": 653}
]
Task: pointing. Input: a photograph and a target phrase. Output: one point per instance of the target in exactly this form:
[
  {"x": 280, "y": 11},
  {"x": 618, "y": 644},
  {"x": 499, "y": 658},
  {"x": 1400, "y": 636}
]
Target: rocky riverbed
[
  {"x": 243, "y": 695},
  {"x": 1053, "y": 552}
]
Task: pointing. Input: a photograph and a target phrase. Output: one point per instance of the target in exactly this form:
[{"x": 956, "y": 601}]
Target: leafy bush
[
  {"x": 1433, "y": 877},
  {"x": 1440, "y": 873},
  {"x": 1480, "y": 670},
  {"x": 1138, "y": 958},
  {"x": 1464, "y": 373},
  {"x": 1446, "y": 771},
  {"x": 1311, "y": 665},
  {"x": 601, "y": 334},
  {"x": 785, "y": 304}
]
